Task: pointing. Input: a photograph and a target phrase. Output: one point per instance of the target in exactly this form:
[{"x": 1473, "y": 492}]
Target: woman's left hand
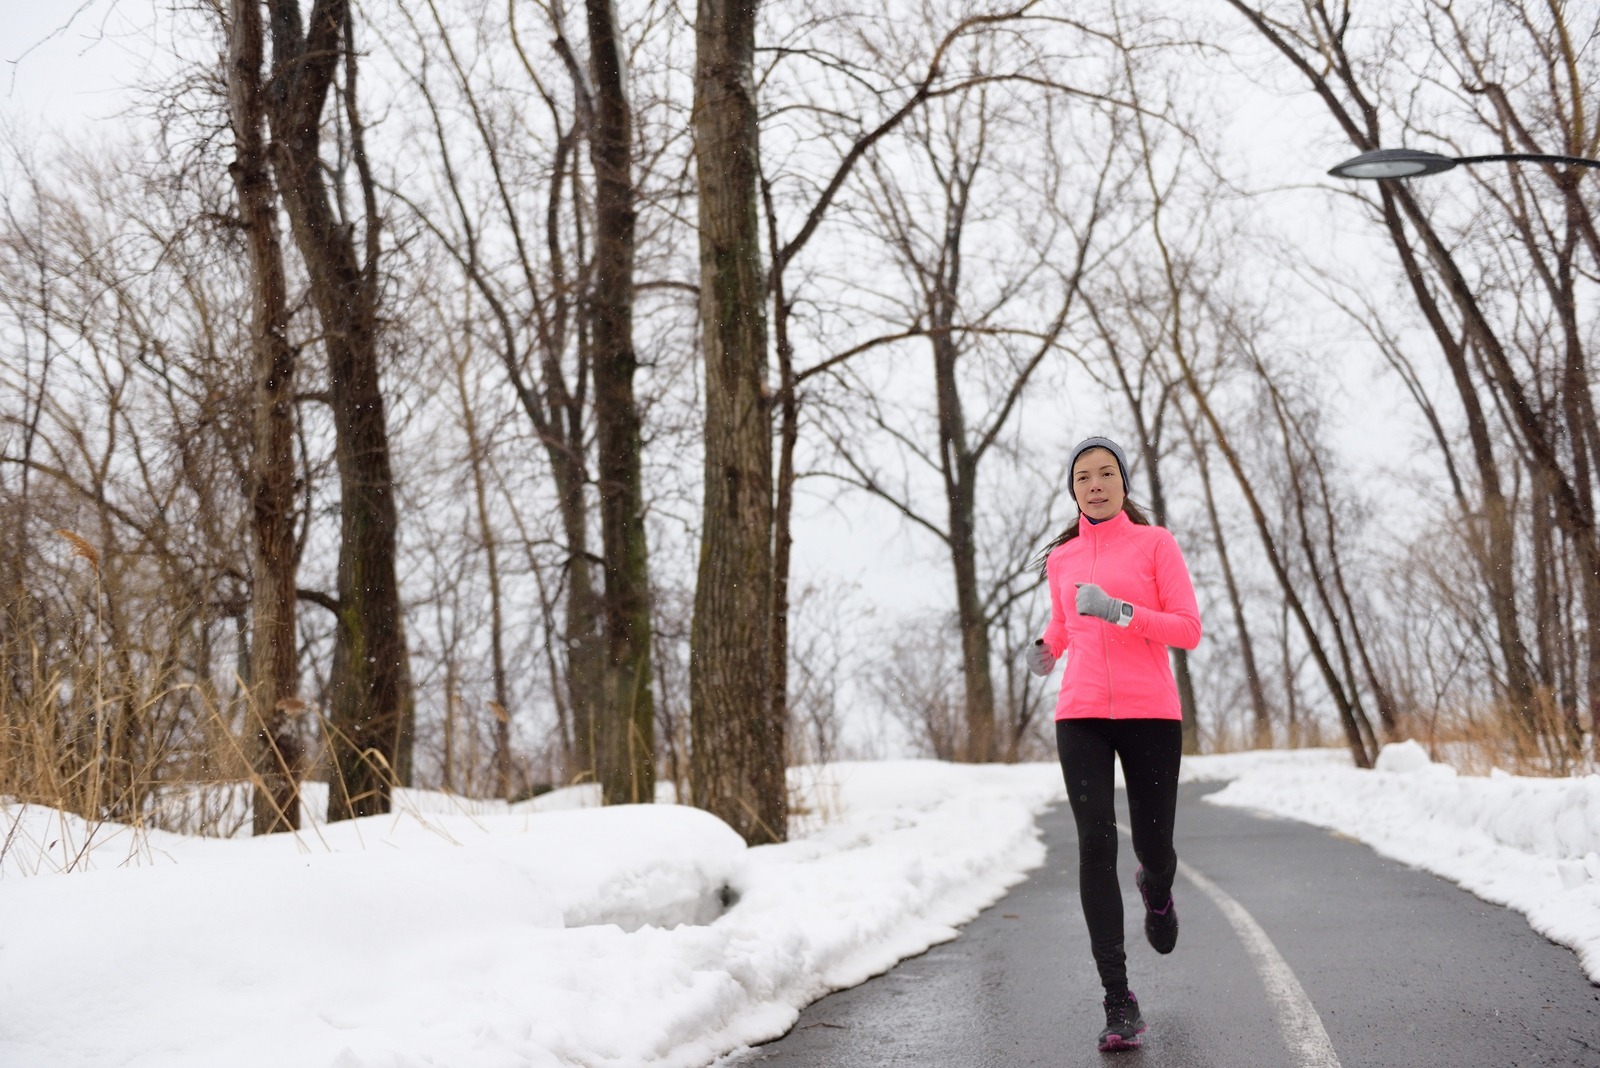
[{"x": 1093, "y": 601}]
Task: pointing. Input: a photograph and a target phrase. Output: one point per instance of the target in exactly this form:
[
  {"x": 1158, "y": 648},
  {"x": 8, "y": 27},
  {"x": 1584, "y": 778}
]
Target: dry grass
[
  {"x": 62, "y": 798},
  {"x": 102, "y": 737},
  {"x": 75, "y": 776},
  {"x": 110, "y": 717},
  {"x": 1473, "y": 741},
  {"x": 1239, "y": 736},
  {"x": 1497, "y": 737}
]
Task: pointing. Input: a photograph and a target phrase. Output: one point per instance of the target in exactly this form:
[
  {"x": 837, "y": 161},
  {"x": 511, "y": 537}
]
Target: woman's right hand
[{"x": 1040, "y": 662}]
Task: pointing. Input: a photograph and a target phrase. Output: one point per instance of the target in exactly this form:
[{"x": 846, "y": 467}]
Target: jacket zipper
[{"x": 1105, "y": 637}]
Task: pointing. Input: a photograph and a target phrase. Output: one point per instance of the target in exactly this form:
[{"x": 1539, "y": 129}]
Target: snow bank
[
  {"x": 1530, "y": 844},
  {"x": 1226, "y": 767},
  {"x": 635, "y": 935},
  {"x": 549, "y": 933}
]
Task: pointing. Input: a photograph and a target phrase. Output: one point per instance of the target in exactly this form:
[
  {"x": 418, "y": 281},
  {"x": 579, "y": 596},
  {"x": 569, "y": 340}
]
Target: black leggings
[{"x": 1150, "y": 750}]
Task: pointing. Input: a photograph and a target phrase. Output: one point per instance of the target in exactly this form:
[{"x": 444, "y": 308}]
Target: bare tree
[
  {"x": 738, "y": 757},
  {"x": 627, "y": 751},
  {"x": 117, "y": 680},
  {"x": 372, "y": 714},
  {"x": 478, "y": 460},
  {"x": 1135, "y": 328},
  {"x": 919, "y": 685},
  {"x": 986, "y": 338},
  {"x": 274, "y": 682},
  {"x": 930, "y": 84},
  {"x": 1261, "y": 711},
  {"x": 540, "y": 209},
  {"x": 1519, "y": 363}
]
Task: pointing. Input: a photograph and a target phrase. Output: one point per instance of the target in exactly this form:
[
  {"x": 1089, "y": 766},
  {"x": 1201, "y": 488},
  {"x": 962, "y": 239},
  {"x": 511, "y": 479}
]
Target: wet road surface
[{"x": 1298, "y": 948}]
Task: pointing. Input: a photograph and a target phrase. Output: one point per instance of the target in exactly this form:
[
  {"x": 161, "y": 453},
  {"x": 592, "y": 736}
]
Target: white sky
[{"x": 69, "y": 62}]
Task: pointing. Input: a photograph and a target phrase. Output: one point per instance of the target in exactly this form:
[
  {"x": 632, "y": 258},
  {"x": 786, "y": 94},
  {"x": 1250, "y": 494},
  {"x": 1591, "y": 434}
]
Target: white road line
[{"x": 1298, "y": 1021}]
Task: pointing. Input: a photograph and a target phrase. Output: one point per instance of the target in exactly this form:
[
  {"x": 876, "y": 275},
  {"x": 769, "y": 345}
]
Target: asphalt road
[{"x": 1299, "y": 949}]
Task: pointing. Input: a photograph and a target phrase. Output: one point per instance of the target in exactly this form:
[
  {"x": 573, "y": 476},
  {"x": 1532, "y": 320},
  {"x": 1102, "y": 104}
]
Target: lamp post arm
[{"x": 1525, "y": 157}]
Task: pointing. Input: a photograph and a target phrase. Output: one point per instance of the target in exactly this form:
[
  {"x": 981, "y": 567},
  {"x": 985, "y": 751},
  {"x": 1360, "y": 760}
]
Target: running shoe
[
  {"x": 1124, "y": 1025},
  {"x": 1160, "y": 925}
]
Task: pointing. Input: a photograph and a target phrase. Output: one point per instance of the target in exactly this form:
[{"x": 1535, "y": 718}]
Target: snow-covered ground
[{"x": 551, "y": 933}]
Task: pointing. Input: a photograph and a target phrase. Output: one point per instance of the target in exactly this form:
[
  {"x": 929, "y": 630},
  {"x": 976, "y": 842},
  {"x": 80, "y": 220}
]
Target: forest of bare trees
[{"x": 500, "y": 396}]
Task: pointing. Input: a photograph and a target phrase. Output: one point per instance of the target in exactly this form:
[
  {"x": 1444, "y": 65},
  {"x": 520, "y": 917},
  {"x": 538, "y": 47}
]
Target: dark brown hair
[{"x": 1135, "y": 515}]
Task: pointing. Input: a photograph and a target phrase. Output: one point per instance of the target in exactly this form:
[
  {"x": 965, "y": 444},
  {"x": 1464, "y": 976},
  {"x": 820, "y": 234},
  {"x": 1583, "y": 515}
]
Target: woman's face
[{"x": 1097, "y": 484}]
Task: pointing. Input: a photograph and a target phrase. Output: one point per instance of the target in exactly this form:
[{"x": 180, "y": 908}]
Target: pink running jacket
[{"x": 1120, "y": 672}]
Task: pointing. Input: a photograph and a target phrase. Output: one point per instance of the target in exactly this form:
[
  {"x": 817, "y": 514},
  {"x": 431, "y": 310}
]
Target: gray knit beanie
[{"x": 1110, "y": 446}]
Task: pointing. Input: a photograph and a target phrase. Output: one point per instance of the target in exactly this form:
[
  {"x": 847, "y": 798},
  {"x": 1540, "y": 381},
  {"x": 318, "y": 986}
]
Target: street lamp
[{"x": 1389, "y": 163}]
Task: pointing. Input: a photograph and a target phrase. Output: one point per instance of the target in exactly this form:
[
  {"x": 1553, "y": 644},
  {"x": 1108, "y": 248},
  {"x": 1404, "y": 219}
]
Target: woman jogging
[{"x": 1120, "y": 595}]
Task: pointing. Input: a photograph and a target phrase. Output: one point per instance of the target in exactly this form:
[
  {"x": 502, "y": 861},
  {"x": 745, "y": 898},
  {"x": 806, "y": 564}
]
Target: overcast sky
[{"x": 70, "y": 62}]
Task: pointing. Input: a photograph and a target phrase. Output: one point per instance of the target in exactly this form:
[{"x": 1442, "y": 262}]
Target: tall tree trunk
[
  {"x": 1583, "y": 437},
  {"x": 738, "y": 758},
  {"x": 557, "y": 409},
  {"x": 1574, "y": 512},
  {"x": 960, "y": 471},
  {"x": 562, "y": 425},
  {"x": 1149, "y": 436},
  {"x": 627, "y": 751},
  {"x": 1150, "y": 452},
  {"x": 277, "y": 753},
  {"x": 585, "y": 640},
  {"x": 1492, "y": 535},
  {"x": 501, "y": 705},
  {"x": 1359, "y": 749},
  {"x": 788, "y": 402},
  {"x": 1262, "y": 717},
  {"x": 372, "y": 711},
  {"x": 783, "y": 509},
  {"x": 1388, "y": 712},
  {"x": 974, "y": 624},
  {"x": 958, "y": 466}
]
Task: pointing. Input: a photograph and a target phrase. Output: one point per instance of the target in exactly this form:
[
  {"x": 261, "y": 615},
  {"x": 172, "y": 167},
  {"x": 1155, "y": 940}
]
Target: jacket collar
[{"x": 1108, "y": 528}]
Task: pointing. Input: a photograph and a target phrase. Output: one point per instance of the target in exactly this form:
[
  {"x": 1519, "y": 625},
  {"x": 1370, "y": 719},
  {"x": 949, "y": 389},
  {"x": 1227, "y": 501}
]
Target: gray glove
[
  {"x": 1093, "y": 601},
  {"x": 1040, "y": 662}
]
